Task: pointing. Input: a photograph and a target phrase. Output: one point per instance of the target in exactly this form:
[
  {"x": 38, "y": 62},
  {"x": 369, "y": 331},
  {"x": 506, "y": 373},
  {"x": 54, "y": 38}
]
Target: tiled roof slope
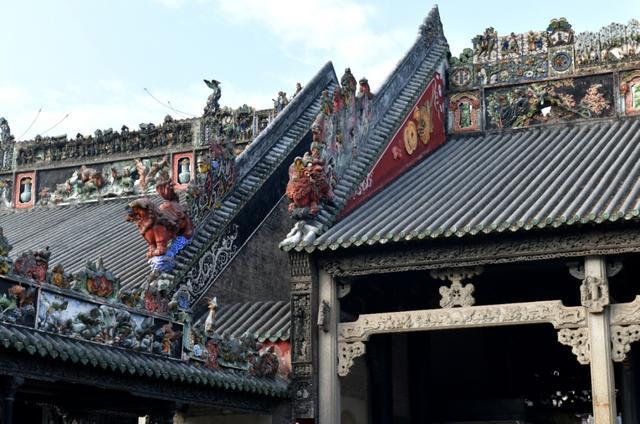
[
  {"x": 259, "y": 161},
  {"x": 81, "y": 353},
  {"x": 82, "y": 232},
  {"x": 510, "y": 180},
  {"x": 266, "y": 320},
  {"x": 393, "y": 101}
]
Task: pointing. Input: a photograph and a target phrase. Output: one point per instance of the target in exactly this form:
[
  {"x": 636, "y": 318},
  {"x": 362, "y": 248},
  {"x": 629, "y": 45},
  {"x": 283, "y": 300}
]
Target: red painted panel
[{"x": 422, "y": 131}]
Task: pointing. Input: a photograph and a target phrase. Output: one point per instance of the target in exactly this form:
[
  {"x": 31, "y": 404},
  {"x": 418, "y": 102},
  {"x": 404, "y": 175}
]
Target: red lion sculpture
[
  {"x": 159, "y": 225},
  {"x": 308, "y": 187}
]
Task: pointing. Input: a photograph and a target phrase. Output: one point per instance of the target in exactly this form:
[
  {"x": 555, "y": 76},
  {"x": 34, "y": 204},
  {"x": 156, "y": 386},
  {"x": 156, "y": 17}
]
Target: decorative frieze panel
[
  {"x": 45, "y": 150},
  {"x": 553, "y": 312},
  {"x": 212, "y": 262},
  {"x": 514, "y": 58},
  {"x": 565, "y": 244},
  {"x": 550, "y": 102}
]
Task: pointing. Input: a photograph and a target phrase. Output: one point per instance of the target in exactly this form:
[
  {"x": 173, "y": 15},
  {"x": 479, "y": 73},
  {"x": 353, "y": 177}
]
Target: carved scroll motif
[
  {"x": 347, "y": 352},
  {"x": 578, "y": 339},
  {"x": 553, "y": 312},
  {"x": 621, "y": 339}
]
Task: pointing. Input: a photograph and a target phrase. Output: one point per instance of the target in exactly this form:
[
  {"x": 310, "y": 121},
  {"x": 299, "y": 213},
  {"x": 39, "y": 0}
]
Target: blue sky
[{"x": 92, "y": 59}]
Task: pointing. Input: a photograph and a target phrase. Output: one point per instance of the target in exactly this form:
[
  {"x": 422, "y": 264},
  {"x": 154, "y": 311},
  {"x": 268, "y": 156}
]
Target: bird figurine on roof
[
  {"x": 209, "y": 323},
  {"x": 212, "y": 101}
]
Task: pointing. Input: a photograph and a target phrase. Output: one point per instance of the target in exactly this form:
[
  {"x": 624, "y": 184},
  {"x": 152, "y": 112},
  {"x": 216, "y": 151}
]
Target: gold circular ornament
[{"x": 410, "y": 137}]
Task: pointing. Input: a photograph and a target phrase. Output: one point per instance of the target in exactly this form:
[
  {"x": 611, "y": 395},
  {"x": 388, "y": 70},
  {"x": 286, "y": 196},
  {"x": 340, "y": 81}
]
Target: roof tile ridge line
[
  {"x": 296, "y": 107},
  {"x": 330, "y": 219},
  {"x": 257, "y": 159},
  {"x": 225, "y": 221},
  {"x": 180, "y": 274},
  {"x": 418, "y": 48}
]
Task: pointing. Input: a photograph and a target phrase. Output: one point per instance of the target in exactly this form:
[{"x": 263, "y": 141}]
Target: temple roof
[
  {"x": 506, "y": 180},
  {"x": 396, "y": 97},
  {"x": 81, "y": 353},
  {"x": 268, "y": 321},
  {"x": 81, "y": 232}
]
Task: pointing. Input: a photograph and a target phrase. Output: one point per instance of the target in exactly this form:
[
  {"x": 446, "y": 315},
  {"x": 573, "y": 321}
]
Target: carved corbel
[
  {"x": 621, "y": 339},
  {"x": 347, "y": 352},
  {"x": 457, "y": 294},
  {"x": 578, "y": 339}
]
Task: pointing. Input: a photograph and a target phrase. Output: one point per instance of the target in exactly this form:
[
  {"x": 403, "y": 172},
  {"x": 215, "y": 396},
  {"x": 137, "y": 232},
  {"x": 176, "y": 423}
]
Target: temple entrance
[{"x": 497, "y": 374}]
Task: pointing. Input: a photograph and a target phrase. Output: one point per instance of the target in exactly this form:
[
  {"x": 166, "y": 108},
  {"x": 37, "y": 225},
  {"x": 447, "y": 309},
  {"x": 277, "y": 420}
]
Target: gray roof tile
[{"x": 511, "y": 180}]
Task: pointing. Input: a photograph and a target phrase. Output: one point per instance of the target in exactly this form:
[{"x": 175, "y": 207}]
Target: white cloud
[{"x": 339, "y": 30}]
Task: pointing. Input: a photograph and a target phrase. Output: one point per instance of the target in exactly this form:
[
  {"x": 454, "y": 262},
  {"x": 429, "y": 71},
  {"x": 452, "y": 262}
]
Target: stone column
[
  {"x": 9, "y": 386},
  {"x": 328, "y": 382},
  {"x": 303, "y": 349},
  {"x": 629, "y": 389},
  {"x": 595, "y": 288}
]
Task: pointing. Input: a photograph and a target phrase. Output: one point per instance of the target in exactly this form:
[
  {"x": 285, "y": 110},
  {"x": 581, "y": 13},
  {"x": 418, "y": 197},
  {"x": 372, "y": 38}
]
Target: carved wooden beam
[{"x": 503, "y": 248}]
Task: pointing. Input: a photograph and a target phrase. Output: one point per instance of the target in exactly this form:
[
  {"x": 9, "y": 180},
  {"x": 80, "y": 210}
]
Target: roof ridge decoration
[
  {"x": 326, "y": 208},
  {"x": 90, "y": 306},
  {"x": 554, "y": 52},
  {"x": 7, "y": 143},
  {"x": 338, "y": 132}
]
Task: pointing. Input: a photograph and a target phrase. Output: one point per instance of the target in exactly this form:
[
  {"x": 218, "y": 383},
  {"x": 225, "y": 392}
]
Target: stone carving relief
[
  {"x": 347, "y": 352},
  {"x": 213, "y": 261},
  {"x": 457, "y": 294},
  {"x": 301, "y": 350},
  {"x": 324, "y": 316},
  {"x": 552, "y": 312},
  {"x": 621, "y": 339},
  {"x": 578, "y": 339},
  {"x": 594, "y": 294}
]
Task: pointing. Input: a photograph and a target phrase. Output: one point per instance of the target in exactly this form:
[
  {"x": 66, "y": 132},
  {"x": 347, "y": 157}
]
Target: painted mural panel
[
  {"x": 550, "y": 102},
  {"x": 422, "y": 131}
]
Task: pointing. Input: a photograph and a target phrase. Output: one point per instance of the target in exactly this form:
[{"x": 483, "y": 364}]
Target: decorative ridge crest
[{"x": 536, "y": 55}]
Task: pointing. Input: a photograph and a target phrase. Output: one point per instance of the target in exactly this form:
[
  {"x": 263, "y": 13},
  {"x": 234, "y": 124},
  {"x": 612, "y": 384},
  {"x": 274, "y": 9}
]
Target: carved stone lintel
[
  {"x": 621, "y": 339},
  {"x": 625, "y": 313},
  {"x": 594, "y": 294},
  {"x": 324, "y": 316},
  {"x": 553, "y": 312},
  {"x": 578, "y": 339},
  {"x": 347, "y": 352}
]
